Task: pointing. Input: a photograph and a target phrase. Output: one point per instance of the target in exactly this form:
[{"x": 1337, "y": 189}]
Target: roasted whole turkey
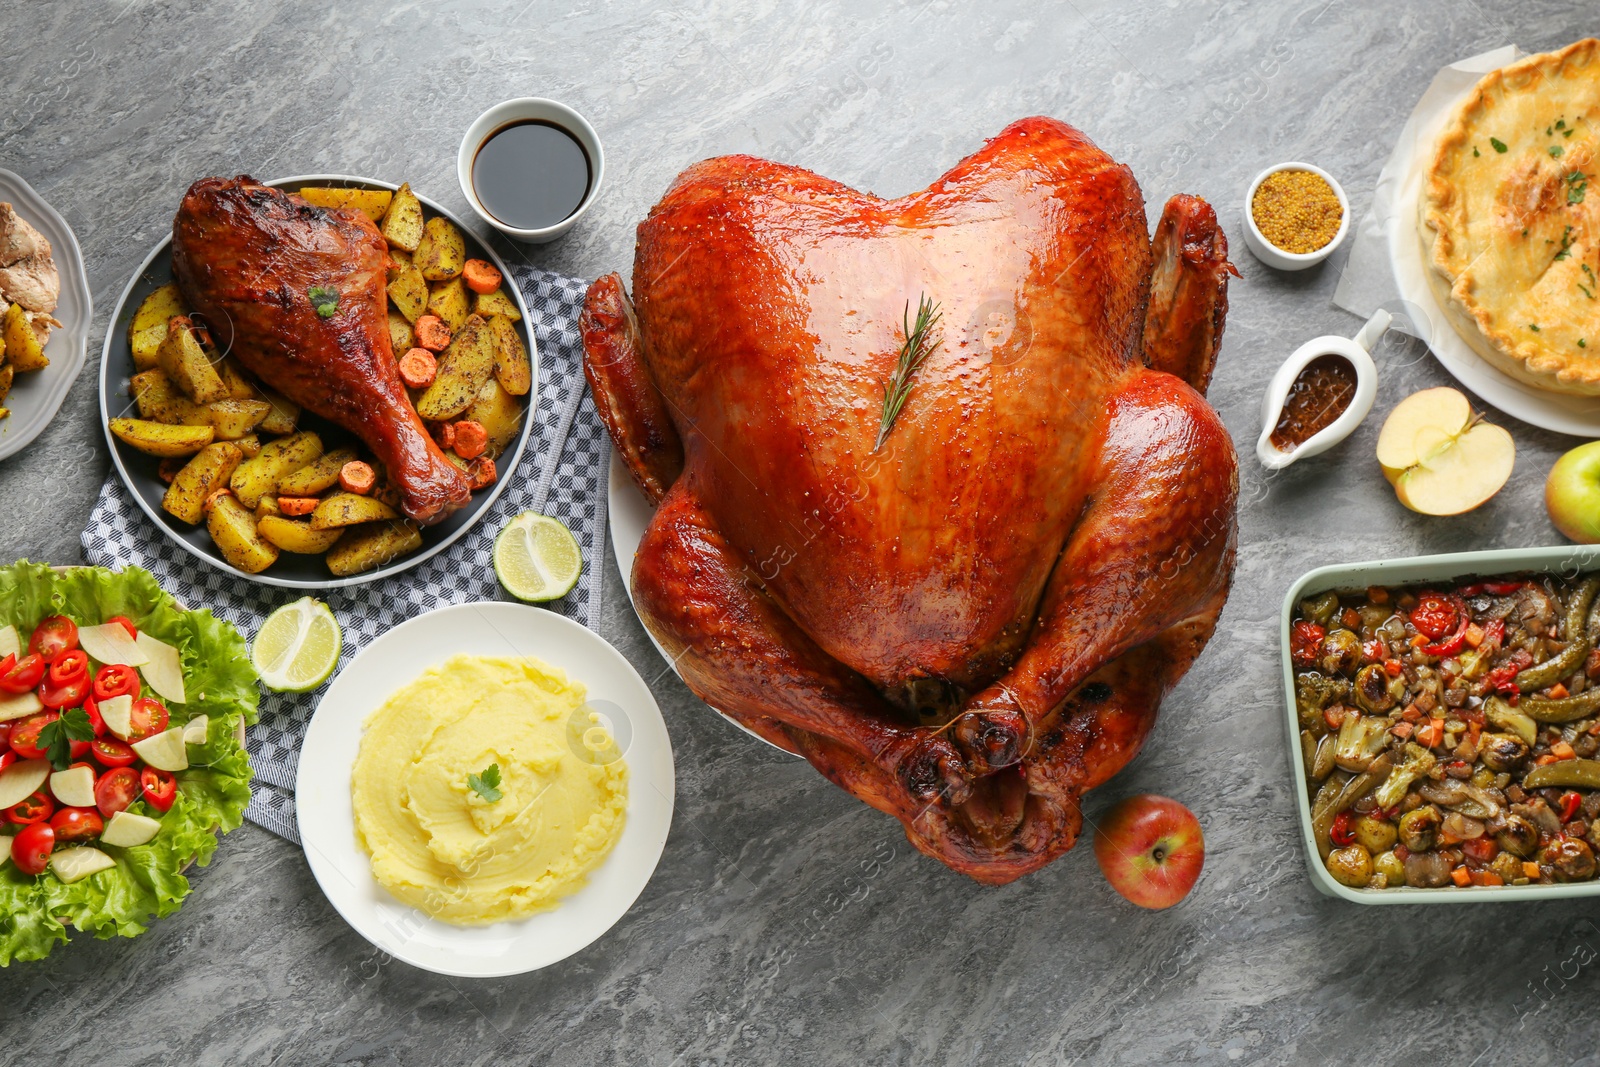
[{"x": 973, "y": 623}]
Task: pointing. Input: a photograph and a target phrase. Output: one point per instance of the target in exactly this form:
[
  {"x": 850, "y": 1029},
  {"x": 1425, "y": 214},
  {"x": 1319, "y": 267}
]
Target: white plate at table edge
[
  {"x": 1575, "y": 415},
  {"x": 630, "y": 513},
  {"x": 36, "y": 397},
  {"x": 482, "y": 505},
  {"x": 325, "y": 815}
]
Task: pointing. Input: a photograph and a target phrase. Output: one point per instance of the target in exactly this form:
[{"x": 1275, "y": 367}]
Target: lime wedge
[
  {"x": 297, "y": 647},
  {"x": 536, "y": 558}
]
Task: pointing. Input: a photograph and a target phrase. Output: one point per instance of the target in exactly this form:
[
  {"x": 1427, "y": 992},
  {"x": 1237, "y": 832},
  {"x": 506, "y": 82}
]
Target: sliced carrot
[
  {"x": 481, "y": 473},
  {"x": 1412, "y": 713},
  {"x": 1561, "y": 751},
  {"x": 1461, "y": 876},
  {"x": 357, "y": 477},
  {"x": 1530, "y": 869},
  {"x": 481, "y": 275},
  {"x": 168, "y": 468},
  {"x": 1545, "y": 760},
  {"x": 297, "y": 505},
  {"x": 211, "y": 501},
  {"x": 1377, "y": 594},
  {"x": 433, "y": 333},
  {"x": 1487, "y": 878},
  {"x": 471, "y": 439},
  {"x": 1474, "y": 635},
  {"x": 418, "y": 367},
  {"x": 447, "y": 434},
  {"x": 1557, "y": 692}
]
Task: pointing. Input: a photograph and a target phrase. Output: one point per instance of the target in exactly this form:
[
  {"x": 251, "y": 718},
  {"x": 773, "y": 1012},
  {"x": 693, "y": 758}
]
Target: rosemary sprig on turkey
[{"x": 920, "y": 342}]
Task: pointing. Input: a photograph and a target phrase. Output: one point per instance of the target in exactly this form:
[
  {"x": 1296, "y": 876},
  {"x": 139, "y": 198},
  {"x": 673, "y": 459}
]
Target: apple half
[{"x": 1440, "y": 457}]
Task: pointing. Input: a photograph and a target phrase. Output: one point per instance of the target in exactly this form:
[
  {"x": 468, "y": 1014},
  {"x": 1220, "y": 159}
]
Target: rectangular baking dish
[{"x": 1566, "y": 560}]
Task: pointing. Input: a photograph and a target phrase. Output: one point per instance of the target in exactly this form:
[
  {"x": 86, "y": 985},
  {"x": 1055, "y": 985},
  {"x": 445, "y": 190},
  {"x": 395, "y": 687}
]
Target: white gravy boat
[{"x": 1355, "y": 351}]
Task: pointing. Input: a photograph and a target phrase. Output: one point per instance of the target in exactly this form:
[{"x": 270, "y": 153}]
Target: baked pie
[{"x": 1510, "y": 225}]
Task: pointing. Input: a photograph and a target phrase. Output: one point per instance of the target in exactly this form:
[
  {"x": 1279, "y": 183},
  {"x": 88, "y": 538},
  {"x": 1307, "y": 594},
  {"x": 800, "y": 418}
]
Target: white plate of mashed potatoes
[{"x": 485, "y": 790}]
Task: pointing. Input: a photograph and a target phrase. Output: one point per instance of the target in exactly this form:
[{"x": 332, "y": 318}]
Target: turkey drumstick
[{"x": 246, "y": 257}]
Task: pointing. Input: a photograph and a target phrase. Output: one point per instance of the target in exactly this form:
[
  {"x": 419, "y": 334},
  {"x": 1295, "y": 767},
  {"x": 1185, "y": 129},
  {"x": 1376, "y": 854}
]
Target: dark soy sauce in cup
[{"x": 531, "y": 174}]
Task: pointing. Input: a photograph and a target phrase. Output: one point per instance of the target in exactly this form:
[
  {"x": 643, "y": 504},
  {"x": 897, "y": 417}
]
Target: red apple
[{"x": 1151, "y": 850}]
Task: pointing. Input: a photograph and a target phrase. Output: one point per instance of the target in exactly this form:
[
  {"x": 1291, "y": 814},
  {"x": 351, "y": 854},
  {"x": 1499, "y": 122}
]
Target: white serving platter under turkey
[
  {"x": 630, "y": 514},
  {"x": 326, "y": 814}
]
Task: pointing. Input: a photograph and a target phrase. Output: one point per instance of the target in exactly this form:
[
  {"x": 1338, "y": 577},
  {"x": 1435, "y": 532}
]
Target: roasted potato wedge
[
  {"x": 233, "y": 528},
  {"x": 349, "y": 509},
  {"x": 402, "y": 223},
  {"x": 23, "y": 351},
  {"x": 500, "y": 413},
  {"x": 257, "y": 477},
  {"x": 496, "y": 303},
  {"x": 317, "y": 477},
  {"x": 250, "y": 445},
  {"x": 463, "y": 368},
  {"x": 267, "y": 505},
  {"x": 399, "y": 259},
  {"x": 158, "y": 400},
  {"x": 237, "y": 418},
  {"x": 443, "y": 251},
  {"x": 239, "y": 384},
  {"x": 6, "y": 376},
  {"x": 283, "y": 417},
  {"x": 511, "y": 363},
  {"x": 451, "y": 302},
  {"x": 149, "y": 326},
  {"x": 295, "y": 536},
  {"x": 372, "y": 203},
  {"x": 203, "y": 475},
  {"x": 409, "y": 292},
  {"x": 401, "y": 337},
  {"x": 366, "y": 547},
  {"x": 188, "y": 366},
  {"x": 158, "y": 439}
]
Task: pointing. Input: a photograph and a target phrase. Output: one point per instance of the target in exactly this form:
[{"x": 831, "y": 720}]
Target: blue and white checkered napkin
[{"x": 562, "y": 473}]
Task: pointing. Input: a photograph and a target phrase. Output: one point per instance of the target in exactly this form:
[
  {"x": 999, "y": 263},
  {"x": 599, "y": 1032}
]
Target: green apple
[{"x": 1572, "y": 494}]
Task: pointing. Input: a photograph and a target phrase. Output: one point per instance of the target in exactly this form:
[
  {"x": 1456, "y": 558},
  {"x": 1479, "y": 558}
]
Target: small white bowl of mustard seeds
[{"x": 1295, "y": 216}]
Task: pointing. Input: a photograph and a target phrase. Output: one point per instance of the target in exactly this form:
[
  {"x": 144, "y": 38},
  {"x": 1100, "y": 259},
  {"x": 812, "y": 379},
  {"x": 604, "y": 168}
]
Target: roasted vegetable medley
[{"x": 1450, "y": 732}]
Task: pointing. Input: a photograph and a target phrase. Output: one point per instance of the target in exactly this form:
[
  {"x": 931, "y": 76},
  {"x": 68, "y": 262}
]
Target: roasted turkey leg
[{"x": 246, "y": 256}]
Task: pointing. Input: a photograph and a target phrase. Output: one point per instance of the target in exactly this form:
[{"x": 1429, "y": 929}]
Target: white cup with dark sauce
[{"x": 530, "y": 167}]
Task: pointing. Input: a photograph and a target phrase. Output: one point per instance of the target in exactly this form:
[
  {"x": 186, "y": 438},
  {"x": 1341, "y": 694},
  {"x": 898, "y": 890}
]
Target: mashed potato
[{"x": 439, "y": 844}]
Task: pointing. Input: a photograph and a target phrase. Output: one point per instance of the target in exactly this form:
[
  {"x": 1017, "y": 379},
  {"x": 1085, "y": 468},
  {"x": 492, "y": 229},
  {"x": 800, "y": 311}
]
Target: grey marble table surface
[{"x": 788, "y": 923}]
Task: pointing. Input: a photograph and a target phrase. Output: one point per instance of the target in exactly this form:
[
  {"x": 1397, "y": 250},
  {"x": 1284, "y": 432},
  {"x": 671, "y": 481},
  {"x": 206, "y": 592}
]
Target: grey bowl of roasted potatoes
[{"x": 185, "y": 422}]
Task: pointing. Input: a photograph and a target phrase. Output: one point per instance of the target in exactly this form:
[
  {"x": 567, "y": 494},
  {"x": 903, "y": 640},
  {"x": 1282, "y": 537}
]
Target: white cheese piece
[
  {"x": 74, "y": 864},
  {"x": 194, "y": 731},
  {"x": 163, "y": 669},
  {"x": 126, "y": 829},
  {"x": 74, "y": 787},
  {"x": 15, "y": 707},
  {"x": 10, "y": 643},
  {"x": 109, "y": 643},
  {"x": 117, "y": 712},
  {"x": 164, "y": 751},
  {"x": 21, "y": 780}
]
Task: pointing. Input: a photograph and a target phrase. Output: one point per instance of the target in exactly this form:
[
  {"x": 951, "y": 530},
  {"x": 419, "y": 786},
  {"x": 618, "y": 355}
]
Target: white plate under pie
[
  {"x": 1576, "y": 415},
  {"x": 327, "y": 820},
  {"x": 630, "y": 513}
]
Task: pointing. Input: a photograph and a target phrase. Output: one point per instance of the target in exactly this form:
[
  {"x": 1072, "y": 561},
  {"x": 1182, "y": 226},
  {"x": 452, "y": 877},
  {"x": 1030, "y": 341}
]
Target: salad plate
[
  {"x": 139, "y": 471},
  {"x": 326, "y": 810}
]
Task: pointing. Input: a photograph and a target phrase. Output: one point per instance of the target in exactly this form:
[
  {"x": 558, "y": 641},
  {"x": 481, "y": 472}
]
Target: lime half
[
  {"x": 536, "y": 558},
  {"x": 297, "y": 647}
]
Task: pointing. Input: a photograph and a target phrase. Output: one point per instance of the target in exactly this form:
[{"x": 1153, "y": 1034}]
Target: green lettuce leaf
[{"x": 147, "y": 881}]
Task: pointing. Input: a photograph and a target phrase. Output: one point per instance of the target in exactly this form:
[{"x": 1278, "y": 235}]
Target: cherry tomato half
[
  {"x": 25, "y": 734},
  {"x": 91, "y": 708},
  {"x": 5, "y": 735},
  {"x": 77, "y": 824},
  {"x": 1435, "y": 615},
  {"x": 116, "y": 790},
  {"x": 68, "y": 667},
  {"x": 54, "y": 635},
  {"x": 36, "y": 807},
  {"x": 160, "y": 788},
  {"x": 112, "y": 753},
  {"x": 116, "y": 679},
  {"x": 7, "y": 758},
  {"x": 148, "y": 718},
  {"x": 31, "y": 848},
  {"x": 69, "y": 695},
  {"x": 17, "y": 676}
]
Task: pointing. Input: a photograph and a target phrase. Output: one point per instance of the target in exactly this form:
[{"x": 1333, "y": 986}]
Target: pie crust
[{"x": 1510, "y": 226}]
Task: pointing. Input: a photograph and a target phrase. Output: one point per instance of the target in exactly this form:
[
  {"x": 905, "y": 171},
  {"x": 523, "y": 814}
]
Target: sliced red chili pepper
[
  {"x": 127, "y": 624},
  {"x": 17, "y": 676},
  {"x": 116, "y": 679},
  {"x": 1502, "y": 588},
  {"x": 1452, "y": 644},
  {"x": 1305, "y": 640},
  {"x": 31, "y": 809},
  {"x": 1374, "y": 651},
  {"x": 1495, "y": 632},
  {"x": 91, "y": 708},
  {"x": 1570, "y": 803},
  {"x": 68, "y": 667},
  {"x": 1393, "y": 668},
  {"x": 160, "y": 788},
  {"x": 1341, "y": 833},
  {"x": 1469, "y": 590}
]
